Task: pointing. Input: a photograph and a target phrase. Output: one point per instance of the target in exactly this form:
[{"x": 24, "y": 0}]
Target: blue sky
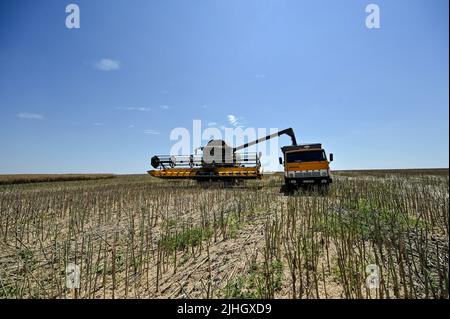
[{"x": 104, "y": 98}]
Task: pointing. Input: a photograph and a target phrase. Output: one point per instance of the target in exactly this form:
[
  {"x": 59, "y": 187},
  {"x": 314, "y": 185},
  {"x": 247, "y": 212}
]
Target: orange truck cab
[{"x": 306, "y": 164}]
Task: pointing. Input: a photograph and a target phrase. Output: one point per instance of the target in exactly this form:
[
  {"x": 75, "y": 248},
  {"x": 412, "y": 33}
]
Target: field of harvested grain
[{"x": 138, "y": 237}]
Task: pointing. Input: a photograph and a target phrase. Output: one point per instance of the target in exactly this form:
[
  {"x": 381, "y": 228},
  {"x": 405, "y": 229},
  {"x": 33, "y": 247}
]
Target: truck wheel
[
  {"x": 286, "y": 189},
  {"x": 324, "y": 189}
]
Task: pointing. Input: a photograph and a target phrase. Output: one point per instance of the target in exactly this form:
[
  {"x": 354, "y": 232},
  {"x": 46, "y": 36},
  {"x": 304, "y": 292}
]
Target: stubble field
[{"x": 139, "y": 237}]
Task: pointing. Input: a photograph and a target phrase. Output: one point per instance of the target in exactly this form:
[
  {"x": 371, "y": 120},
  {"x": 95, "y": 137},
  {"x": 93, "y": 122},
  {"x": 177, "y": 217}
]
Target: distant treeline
[
  {"x": 39, "y": 178},
  {"x": 384, "y": 172}
]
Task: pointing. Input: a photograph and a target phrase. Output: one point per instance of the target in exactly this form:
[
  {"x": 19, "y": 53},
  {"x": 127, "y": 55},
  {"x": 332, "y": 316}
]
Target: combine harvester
[{"x": 304, "y": 164}]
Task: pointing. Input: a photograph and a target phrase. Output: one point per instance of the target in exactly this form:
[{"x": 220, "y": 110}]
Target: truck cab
[{"x": 306, "y": 164}]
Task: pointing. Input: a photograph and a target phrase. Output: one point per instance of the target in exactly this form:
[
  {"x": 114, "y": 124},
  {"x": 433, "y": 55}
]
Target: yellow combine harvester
[{"x": 303, "y": 164}]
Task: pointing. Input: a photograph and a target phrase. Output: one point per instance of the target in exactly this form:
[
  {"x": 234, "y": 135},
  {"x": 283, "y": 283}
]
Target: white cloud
[
  {"x": 152, "y": 132},
  {"x": 234, "y": 120},
  {"x": 140, "y": 109},
  {"x": 164, "y": 107},
  {"x": 30, "y": 116},
  {"x": 108, "y": 65},
  {"x": 130, "y": 126}
]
